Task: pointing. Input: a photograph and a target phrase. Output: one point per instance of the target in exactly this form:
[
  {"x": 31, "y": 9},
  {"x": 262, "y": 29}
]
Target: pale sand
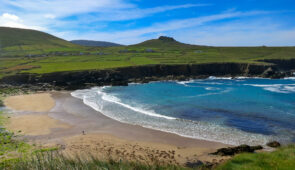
[
  {"x": 34, "y": 124},
  {"x": 63, "y": 125},
  {"x": 105, "y": 146},
  {"x": 34, "y": 102}
]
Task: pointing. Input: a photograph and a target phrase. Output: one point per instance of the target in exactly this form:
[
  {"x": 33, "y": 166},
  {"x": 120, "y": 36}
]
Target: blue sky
[{"x": 203, "y": 22}]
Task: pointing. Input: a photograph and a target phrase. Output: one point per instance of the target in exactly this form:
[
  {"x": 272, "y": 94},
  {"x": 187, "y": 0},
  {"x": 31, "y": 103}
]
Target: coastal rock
[
  {"x": 230, "y": 151},
  {"x": 194, "y": 164},
  {"x": 273, "y": 144},
  {"x": 268, "y": 72},
  {"x": 258, "y": 147}
]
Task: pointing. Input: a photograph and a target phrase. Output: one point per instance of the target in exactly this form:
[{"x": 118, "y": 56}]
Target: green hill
[{"x": 14, "y": 41}]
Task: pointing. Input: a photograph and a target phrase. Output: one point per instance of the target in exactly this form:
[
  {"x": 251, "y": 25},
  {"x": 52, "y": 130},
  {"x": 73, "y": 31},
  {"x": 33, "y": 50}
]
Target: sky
[{"x": 202, "y": 22}]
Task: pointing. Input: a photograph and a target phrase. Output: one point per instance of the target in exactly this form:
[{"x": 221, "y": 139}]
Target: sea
[{"x": 235, "y": 111}]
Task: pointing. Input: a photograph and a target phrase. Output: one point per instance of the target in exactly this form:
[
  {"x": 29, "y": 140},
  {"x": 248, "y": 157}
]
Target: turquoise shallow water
[{"x": 232, "y": 111}]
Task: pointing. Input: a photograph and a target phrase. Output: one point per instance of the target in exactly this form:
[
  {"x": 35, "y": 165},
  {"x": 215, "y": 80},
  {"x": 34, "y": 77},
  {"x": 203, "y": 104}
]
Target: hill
[
  {"x": 95, "y": 43},
  {"x": 15, "y": 41}
]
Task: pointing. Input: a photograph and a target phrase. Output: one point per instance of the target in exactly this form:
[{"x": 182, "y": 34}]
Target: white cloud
[
  {"x": 62, "y": 8},
  {"x": 137, "y": 35},
  {"x": 11, "y": 20},
  {"x": 135, "y": 13},
  {"x": 204, "y": 31},
  {"x": 99, "y": 10},
  {"x": 10, "y": 17},
  {"x": 50, "y": 16},
  {"x": 239, "y": 33}
]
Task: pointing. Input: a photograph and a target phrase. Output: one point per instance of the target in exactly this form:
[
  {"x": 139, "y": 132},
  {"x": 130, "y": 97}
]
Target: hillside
[
  {"x": 90, "y": 43},
  {"x": 16, "y": 44},
  {"x": 14, "y": 41}
]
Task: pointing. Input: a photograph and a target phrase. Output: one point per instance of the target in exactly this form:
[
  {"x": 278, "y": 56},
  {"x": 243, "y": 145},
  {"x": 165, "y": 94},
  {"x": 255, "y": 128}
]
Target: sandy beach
[{"x": 58, "y": 119}]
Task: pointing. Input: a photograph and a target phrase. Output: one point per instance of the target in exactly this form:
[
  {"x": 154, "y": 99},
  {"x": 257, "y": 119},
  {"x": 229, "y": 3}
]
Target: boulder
[
  {"x": 273, "y": 144},
  {"x": 268, "y": 72},
  {"x": 230, "y": 151}
]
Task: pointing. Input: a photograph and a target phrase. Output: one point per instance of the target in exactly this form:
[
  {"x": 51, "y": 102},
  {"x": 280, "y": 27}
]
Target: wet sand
[{"x": 64, "y": 123}]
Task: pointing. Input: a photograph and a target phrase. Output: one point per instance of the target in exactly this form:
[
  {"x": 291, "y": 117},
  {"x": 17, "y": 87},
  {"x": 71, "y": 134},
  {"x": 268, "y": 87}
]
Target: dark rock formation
[
  {"x": 194, "y": 164},
  {"x": 141, "y": 74},
  {"x": 283, "y": 65},
  {"x": 167, "y": 39},
  {"x": 236, "y": 150},
  {"x": 273, "y": 144}
]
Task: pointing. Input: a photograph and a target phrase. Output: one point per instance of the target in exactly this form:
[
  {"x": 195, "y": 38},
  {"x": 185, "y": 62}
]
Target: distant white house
[
  {"x": 198, "y": 51},
  {"x": 149, "y": 50}
]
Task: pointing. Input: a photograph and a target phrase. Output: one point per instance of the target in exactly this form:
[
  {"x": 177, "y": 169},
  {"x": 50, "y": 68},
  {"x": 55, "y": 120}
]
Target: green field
[{"x": 27, "y": 51}]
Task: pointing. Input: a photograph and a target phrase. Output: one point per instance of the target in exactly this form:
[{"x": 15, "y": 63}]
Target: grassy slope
[
  {"x": 15, "y": 41},
  {"x": 53, "y": 160},
  {"x": 114, "y": 58},
  {"x": 165, "y": 51},
  {"x": 283, "y": 158}
]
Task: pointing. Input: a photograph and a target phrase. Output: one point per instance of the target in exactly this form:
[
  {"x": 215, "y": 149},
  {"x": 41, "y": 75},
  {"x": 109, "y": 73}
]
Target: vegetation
[
  {"x": 27, "y": 51},
  {"x": 54, "y": 160},
  {"x": 9, "y": 146},
  {"x": 283, "y": 158}
]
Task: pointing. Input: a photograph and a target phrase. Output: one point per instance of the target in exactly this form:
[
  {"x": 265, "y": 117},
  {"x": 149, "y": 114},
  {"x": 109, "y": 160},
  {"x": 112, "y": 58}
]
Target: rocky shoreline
[{"x": 143, "y": 74}]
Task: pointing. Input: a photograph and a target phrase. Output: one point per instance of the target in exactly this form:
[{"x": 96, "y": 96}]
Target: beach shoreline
[{"x": 80, "y": 129}]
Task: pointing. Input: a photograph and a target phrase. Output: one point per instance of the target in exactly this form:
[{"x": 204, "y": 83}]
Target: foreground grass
[
  {"x": 10, "y": 147},
  {"x": 283, "y": 158},
  {"x": 56, "y": 161}
]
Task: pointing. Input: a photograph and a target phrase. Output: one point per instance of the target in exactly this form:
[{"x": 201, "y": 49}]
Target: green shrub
[{"x": 283, "y": 158}]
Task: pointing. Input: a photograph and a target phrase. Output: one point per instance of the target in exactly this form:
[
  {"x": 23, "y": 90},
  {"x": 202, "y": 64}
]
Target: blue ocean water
[{"x": 232, "y": 111}]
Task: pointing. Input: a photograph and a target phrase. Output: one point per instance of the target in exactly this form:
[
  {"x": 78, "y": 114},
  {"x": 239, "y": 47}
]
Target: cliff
[{"x": 143, "y": 74}]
